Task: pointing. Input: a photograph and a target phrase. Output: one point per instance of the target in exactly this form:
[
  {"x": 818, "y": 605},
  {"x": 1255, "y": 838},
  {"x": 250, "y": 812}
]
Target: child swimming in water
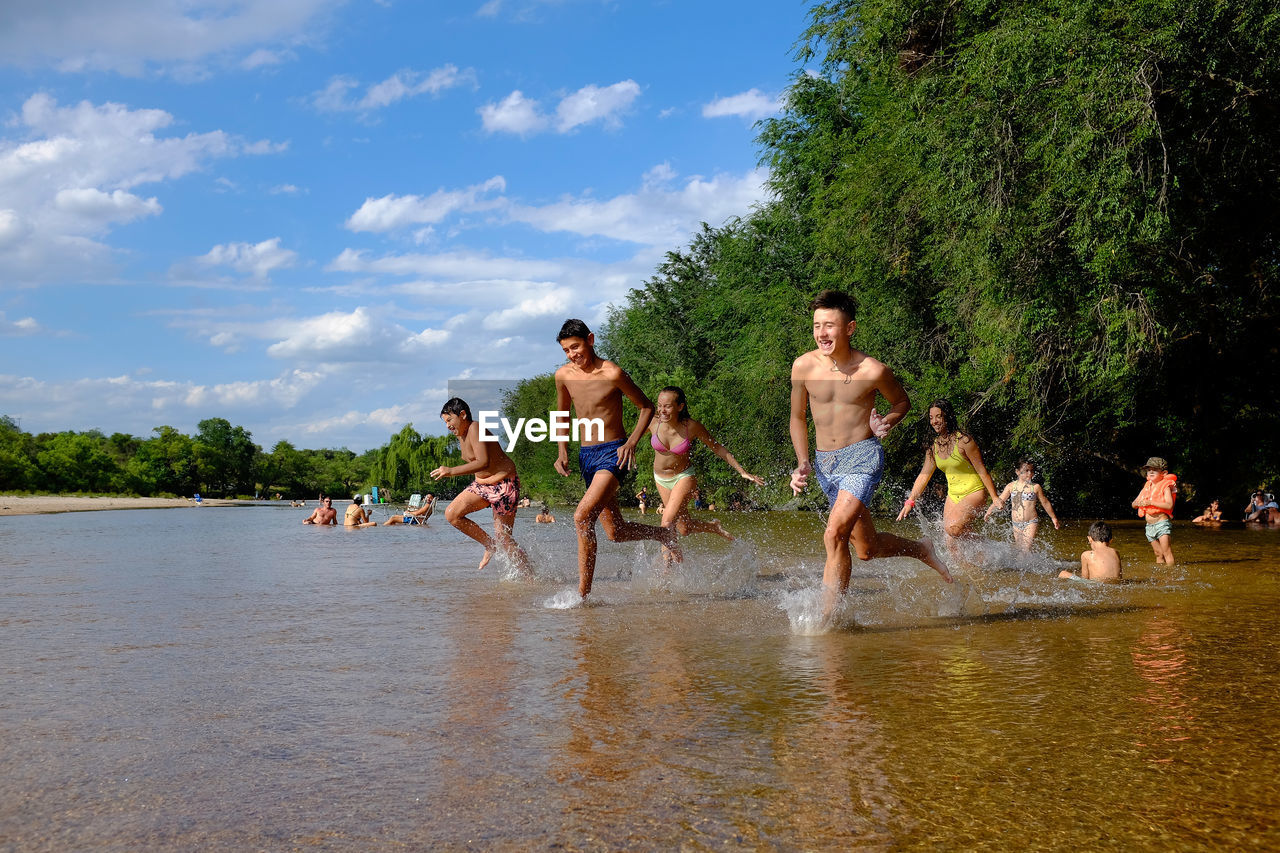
[
  {"x": 1101, "y": 562},
  {"x": 1022, "y": 495}
]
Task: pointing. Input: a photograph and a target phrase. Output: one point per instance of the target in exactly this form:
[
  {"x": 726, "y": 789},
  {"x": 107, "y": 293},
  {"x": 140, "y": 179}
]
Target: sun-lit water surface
[{"x": 230, "y": 679}]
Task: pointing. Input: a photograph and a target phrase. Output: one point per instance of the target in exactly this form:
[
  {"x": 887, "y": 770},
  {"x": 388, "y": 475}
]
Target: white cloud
[
  {"x": 359, "y": 335},
  {"x": 392, "y": 211},
  {"x": 263, "y": 57},
  {"x": 66, "y": 177},
  {"x": 751, "y": 104},
  {"x": 524, "y": 116},
  {"x": 514, "y": 114},
  {"x": 253, "y": 259},
  {"x": 490, "y": 9},
  {"x": 129, "y": 36},
  {"x": 592, "y": 103},
  {"x": 654, "y": 216},
  {"x": 405, "y": 83},
  {"x": 93, "y": 204},
  {"x": 19, "y": 328}
]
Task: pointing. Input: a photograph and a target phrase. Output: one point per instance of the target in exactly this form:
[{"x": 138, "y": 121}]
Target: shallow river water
[{"x": 227, "y": 678}]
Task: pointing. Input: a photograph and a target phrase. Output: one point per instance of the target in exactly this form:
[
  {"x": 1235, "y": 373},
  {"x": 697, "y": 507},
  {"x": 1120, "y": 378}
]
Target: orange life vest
[{"x": 1148, "y": 491}]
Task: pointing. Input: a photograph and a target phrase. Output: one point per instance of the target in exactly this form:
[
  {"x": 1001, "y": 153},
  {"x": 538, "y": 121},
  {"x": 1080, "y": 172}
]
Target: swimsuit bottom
[
  {"x": 670, "y": 482},
  {"x": 855, "y": 469},
  {"x": 503, "y": 496},
  {"x": 1023, "y": 525},
  {"x": 411, "y": 519},
  {"x": 599, "y": 457},
  {"x": 1156, "y": 529}
]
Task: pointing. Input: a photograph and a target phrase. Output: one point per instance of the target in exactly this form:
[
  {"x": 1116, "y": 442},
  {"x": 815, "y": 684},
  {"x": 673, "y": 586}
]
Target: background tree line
[
  {"x": 1059, "y": 216},
  {"x": 219, "y": 460}
]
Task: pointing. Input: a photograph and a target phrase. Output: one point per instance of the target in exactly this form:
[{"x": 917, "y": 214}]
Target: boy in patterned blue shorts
[
  {"x": 595, "y": 388},
  {"x": 839, "y": 385}
]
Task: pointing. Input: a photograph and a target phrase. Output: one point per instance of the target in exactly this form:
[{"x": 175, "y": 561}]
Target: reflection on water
[{"x": 227, "y": 678}]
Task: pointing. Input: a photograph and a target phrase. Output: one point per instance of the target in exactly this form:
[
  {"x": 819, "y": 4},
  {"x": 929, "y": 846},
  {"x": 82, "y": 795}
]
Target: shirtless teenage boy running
[
  {"x": 838, "y": 384},
  {"x": 595, "y": 388},
  {"x": 496, "y": 485}
]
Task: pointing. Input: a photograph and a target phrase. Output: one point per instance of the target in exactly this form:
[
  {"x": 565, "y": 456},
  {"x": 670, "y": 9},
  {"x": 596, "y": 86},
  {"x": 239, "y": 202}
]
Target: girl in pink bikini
[{"x": 672, "y": 433}]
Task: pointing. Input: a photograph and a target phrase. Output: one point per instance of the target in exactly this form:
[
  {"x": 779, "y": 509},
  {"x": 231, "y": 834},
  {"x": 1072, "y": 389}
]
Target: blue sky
[{"x": 308, "y": 216}]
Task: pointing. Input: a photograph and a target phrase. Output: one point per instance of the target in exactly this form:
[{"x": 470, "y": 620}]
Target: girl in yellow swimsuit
[
  {"x": 968, "y": 483},
  {"x": 672, "y": 433}
]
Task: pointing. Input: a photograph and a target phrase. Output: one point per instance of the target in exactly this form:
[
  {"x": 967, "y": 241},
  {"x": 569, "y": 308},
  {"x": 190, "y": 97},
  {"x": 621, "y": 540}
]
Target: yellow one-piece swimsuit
[{"x": 962, "y": 479}]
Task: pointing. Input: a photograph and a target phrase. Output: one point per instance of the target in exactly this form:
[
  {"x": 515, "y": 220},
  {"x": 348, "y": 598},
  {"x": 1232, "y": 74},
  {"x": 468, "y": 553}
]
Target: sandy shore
[{"x": 37, "y": 504}]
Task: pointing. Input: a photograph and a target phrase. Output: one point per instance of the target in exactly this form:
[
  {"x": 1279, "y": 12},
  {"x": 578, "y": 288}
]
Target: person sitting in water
[
  {"x": 323, "y": 514},
  {"x": 544, "y": 516},
  {"x": 357, "y": 515},
  {"x": 1262, "y": 509},
  {"x": 1211, "y": 514},
  {"x": 1022, "y": 495},
  {"x": 414, "y": 516},
  {"x": 672, "y": 433},
  {"x": 1101, "y": 562}
]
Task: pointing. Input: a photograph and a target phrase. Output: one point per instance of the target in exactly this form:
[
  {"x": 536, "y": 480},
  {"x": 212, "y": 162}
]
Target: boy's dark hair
[
  {"x": 1100, "y": 531},
  {"x": 839, "y": 300},
  {"x": 456, "y": 406},
  {"x": 573, "y": 329}
]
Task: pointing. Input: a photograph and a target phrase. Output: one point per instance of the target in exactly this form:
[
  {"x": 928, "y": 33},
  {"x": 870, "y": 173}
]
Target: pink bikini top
[{"x": 679, "y": 450}]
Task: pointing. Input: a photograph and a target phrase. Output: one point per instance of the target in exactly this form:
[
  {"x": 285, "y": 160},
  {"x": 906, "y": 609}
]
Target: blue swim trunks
[
  {"x": 599, "y": 457},
  {"x": 855, "y": 469},
  {"x": 1156, "y": 529}
]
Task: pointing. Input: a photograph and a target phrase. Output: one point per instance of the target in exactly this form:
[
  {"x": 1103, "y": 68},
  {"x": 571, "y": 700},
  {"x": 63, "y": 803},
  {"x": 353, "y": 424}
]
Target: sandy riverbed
[{"x": 37, "y": 504}]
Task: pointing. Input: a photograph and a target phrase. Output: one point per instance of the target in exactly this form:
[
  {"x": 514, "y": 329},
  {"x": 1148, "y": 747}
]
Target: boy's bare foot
[
  {"x": 488, "y": 555},
  {"x": 522, "y": 564},
  {"x": 720, "y": 531},
  {"x": 932, "y": 561}
]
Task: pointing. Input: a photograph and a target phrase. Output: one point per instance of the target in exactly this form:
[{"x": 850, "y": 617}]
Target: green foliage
[{"x": 404, "y": 465}]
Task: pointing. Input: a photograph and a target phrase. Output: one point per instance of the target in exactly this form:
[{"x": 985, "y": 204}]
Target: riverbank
[{"x": 41, "y": 504}]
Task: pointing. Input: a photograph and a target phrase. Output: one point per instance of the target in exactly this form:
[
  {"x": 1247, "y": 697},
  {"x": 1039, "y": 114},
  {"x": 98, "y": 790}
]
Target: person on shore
[
  {"x": 496, "y": 485},
  {"x": 595, "y": 387},
  {"x": 1155, "y": 504},
  {"x": 323, "y": 514},
  {"x": 968, "y": 483},
  {"x": 544, "y": 516},
  {"x": 357, "y": 515},
  {"x": 1101, "y": 562},
  {"x": 418, "y": 515},
  {"x": 672, "y": 433},
  {"x": 1022, "y": 495},
  {"x": 1212, "y": 515},
  {"x": 642, "y": 499},
  {"x": 838, "y": 385}
]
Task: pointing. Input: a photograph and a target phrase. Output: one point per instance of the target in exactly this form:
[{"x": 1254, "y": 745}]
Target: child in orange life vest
[{"x": 1155, "y": 504}]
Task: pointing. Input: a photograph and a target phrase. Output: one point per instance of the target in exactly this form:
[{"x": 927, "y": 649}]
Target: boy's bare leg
[
  {"x": 462, "y": 506},
  {"x": 502, "y": 525},
  {"x": 850, "y": 523},
  {"x": 602, "y": 489},
  {"x": 618, "y": 529}
]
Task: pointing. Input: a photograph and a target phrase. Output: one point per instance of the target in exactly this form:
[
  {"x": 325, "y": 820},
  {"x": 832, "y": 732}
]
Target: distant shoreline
[{"x": 42, "y": 504}]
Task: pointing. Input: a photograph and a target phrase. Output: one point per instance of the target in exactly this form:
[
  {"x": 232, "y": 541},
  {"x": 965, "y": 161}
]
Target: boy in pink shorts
[{"x": 496, "y": 485}]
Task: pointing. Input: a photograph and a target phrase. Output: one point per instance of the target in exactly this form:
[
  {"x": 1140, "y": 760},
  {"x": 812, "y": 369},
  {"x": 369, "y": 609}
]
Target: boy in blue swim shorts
[
  {"x": 839, "y": 385},
  {"x": 595, "y": 387}
]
